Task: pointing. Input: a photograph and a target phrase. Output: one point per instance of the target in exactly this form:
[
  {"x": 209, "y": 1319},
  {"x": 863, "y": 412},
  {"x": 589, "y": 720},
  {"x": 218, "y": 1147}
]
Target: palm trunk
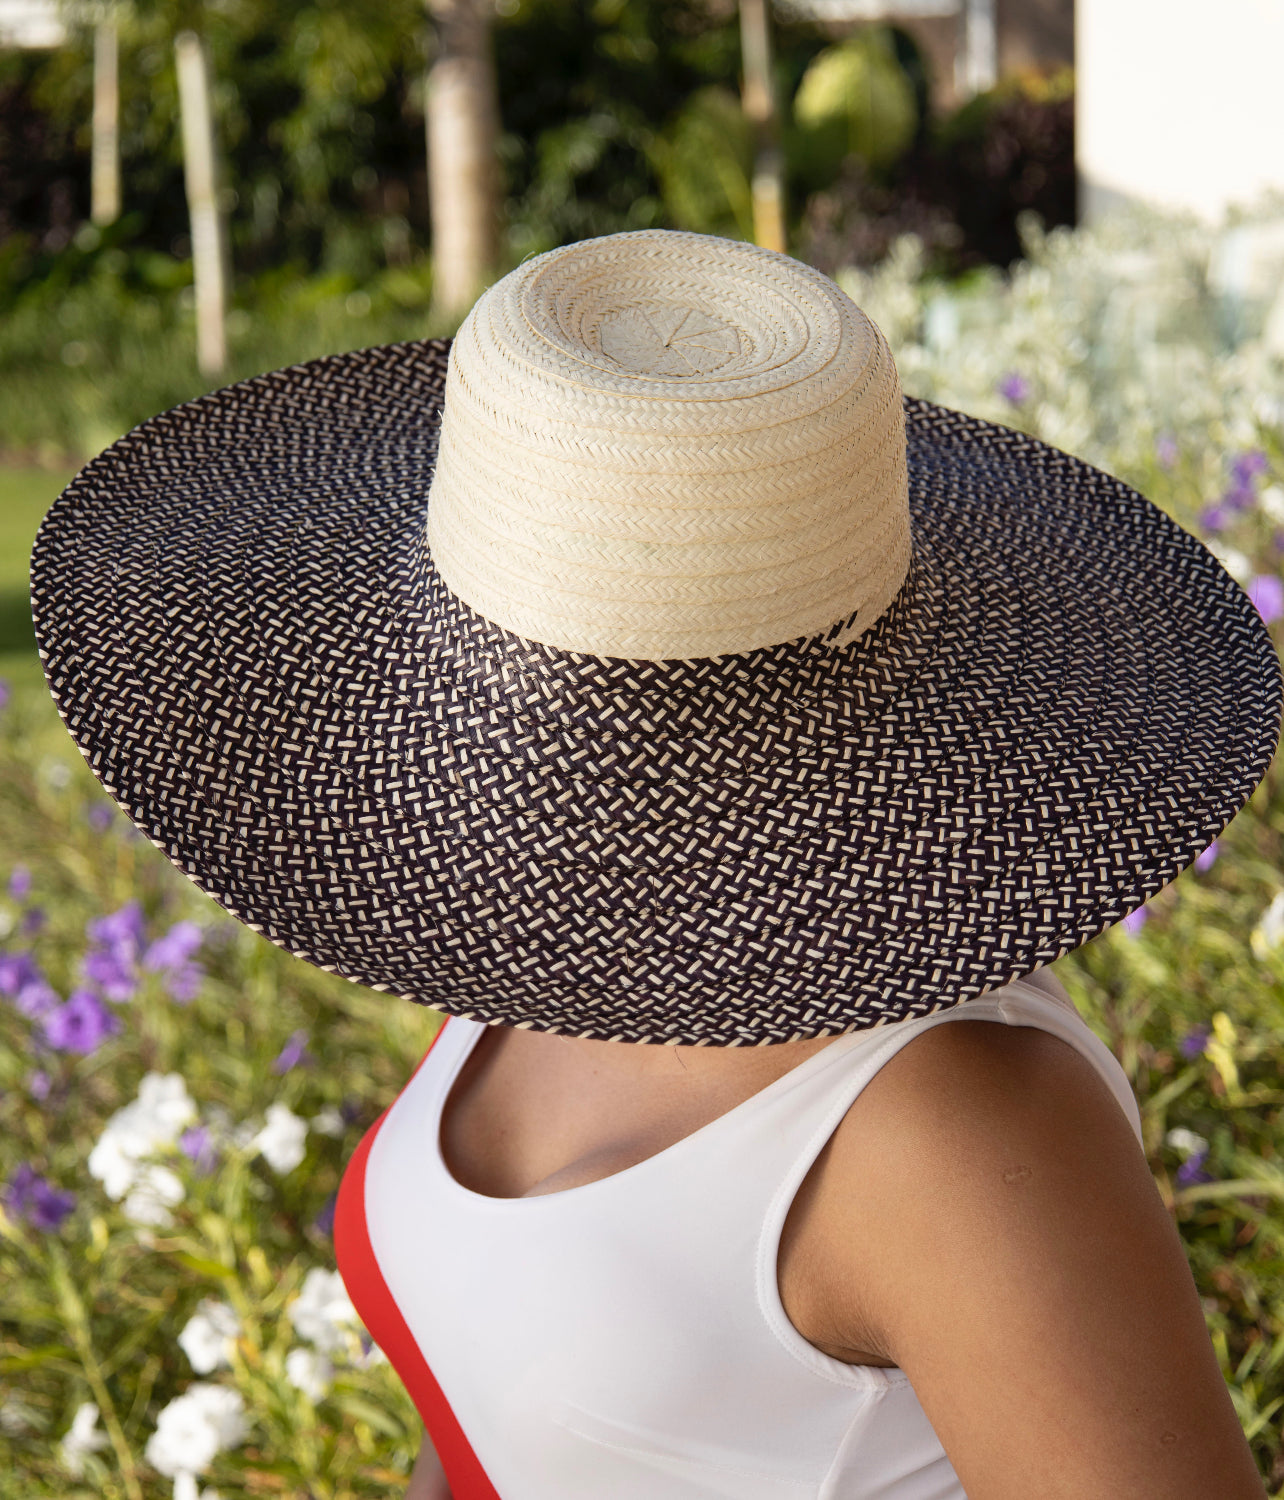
[
  {"x": 105, "y": 161},
  {"x": 462, "y": 119},
  {"x": 202, "y": 201}
]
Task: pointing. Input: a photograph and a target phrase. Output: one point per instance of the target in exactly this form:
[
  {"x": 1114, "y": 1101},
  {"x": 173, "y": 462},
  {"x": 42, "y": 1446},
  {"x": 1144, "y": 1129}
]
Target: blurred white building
[{"x": 1178, "y": 103}]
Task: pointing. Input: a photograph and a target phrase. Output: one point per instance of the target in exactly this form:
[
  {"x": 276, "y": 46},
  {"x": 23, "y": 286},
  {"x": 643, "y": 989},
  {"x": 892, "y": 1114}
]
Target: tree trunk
[
  {"x": 208, "y": 266},
  {"x": 105, "y": 161},
  {"x": 760, "y": 105},
  {"x": 462, "y": 120}
]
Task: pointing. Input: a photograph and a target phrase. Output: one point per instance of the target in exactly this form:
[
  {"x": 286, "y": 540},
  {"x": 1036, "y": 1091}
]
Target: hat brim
[{"x": 243, "y": 631}]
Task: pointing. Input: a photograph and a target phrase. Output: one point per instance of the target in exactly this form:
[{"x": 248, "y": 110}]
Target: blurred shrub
[
  {"x": 854, "y": 100},
  {"x": 705, "y": 165},
  {"x": 961, "y": 188},
  {"x": 107, "y": 338}
]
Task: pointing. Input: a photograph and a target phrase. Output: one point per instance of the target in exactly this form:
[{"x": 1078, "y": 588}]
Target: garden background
[{"x": 178, "y": 1097}]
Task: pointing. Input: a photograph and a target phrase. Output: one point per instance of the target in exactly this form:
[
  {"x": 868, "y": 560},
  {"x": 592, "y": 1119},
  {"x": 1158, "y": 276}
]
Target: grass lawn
[{"x": 25, "y": 495}]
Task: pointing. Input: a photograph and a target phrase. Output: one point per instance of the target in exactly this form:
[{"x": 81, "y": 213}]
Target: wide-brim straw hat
[{"x": 643, "y": 666}]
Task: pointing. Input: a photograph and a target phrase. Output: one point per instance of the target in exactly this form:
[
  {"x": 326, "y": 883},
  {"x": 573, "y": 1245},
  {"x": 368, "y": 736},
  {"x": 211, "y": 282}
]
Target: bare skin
[{"x": 982, "y": 1218}]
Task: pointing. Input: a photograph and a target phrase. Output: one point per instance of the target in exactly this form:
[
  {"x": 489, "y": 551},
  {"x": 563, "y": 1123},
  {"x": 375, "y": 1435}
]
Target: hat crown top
[{"x": 662, "y": 445}]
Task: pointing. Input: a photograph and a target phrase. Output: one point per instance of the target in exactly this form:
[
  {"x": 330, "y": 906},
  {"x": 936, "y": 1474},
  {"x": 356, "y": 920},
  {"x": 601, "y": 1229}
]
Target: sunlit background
[{"x": 1066, "y": 216}]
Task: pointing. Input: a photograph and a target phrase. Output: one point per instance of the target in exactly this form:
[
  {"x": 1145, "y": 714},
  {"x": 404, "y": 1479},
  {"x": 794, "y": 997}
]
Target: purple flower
[
  {"x": 1014, "y": 388},
  {"x": 1191, "y": 1170},
  {"x": 81, "y": 1024},
  {"x": 123, "y": 928},
  {"x": 1267, "y": 593},
  {"x": 37, "y": 999},
  {"x": 33, "y": 921},
  {"x": 1214, "y": 517},
  {"x": 4, "y": 692},
  {"x": 38, "y": 1083},
  {"x": 1208, "y": 858},
  {"x": 100, "y": 816},
  {"x": 1194, "y": 1042},
  {"x": 174, "y": 947},
  {"x": 1239, "y": 499},
  {"x": 184, "y": 982},
  {"x": 19, "y": 883},
  {"x": 1166, "y": 450},
  {"x": 171, "y": 954},
  {"x": 117, "y": 940},
  {"x": 1134, "y": 921},
  {"x": 324, "y": 1221},
  {"x": 1247, "y": 467},
  {"x": 292, "y": 1053},
  {"x": 111, "y": 971},
  {"x": 17, "y": 970},
  {"x": 29, "y": 1196},
  {"x": 197, "y": 1143}
]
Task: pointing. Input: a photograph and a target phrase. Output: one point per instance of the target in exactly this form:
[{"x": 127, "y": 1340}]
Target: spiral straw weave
[{"x": 671, "y": 446}]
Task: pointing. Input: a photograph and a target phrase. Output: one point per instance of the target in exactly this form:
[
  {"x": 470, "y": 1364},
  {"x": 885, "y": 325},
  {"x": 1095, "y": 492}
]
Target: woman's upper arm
[
  {"x": 427, "y": 1478},
  {"x": 1015, "y": 1259}
]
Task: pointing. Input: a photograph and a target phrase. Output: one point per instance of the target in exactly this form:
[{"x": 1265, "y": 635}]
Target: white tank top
[{"x": 625, "y": 1340}]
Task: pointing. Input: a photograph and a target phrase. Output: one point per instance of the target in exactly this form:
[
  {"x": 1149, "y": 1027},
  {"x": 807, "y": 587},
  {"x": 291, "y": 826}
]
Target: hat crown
[{"x": 662, "y": 446}]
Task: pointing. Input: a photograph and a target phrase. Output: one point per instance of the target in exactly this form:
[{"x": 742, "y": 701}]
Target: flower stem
[{"x": 77, "y": 1321}]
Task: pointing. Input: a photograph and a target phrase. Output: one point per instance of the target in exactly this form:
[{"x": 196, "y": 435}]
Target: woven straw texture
[
  {"x": 246, "y": 635},
  {"x": 662, "y": 445}
]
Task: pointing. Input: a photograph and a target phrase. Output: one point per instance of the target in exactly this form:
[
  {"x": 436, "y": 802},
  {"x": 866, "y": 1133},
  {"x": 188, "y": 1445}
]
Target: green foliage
[
  {"x": 585, "y": 90},
  {"x": 855, "y": 99},
  {"x": 108, "y": 338},
  {"x": 705, "y": 165}
]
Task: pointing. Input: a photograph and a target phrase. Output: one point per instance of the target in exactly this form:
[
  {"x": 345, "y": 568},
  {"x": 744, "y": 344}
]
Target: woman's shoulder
[{"x": 989, "y": 1220}]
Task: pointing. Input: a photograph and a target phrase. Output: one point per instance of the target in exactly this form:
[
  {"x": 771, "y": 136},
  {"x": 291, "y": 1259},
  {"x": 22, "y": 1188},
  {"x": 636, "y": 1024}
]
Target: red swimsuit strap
[{"x": 379, "y": 1312}]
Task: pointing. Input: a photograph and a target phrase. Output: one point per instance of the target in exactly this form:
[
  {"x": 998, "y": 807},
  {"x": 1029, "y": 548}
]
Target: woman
[{"x": 680, "y": 685}]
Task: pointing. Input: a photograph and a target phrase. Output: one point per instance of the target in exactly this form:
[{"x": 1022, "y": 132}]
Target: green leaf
[{"x": 366, "y": 1411}]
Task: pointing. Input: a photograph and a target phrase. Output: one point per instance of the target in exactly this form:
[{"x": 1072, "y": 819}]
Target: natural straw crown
[{"x": 660, "y": 445}]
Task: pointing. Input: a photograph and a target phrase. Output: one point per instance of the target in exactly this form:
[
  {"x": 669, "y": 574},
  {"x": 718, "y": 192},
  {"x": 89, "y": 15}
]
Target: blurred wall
[{"x": 1178, "y": 104}]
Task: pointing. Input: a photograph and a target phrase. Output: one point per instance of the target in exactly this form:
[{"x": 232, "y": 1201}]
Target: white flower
[
  {"x": 151, "y": 1123},
  {"x": 1185, "y": 1141},
  {"x": 80, "y": 1438},
  {"x": 195, "y": 1427},
  {"x": 281, "y": 1139},
  {"x": 309, "y": 1371},
  {"x": 1271, "y": 502},
  {"x": 210, "y": 1336},
  {"x": 164, "y": 1099},
  {"x": 17, "y": 1416},
  {"x": 185, "y": 1488},
  {"x": 1268, "y": 935},
  {"x": 156, "y": 1190},
  {"x": 328, "y": 1121},
  {"x": 1234, "y": 561},
  {"x": 113, "y": 1164},
  {"x": 323, "y": 1313}
]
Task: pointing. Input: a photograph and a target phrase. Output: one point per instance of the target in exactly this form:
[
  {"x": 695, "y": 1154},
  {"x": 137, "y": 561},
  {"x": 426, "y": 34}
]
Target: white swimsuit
[{"x": 625, "y": 1340}]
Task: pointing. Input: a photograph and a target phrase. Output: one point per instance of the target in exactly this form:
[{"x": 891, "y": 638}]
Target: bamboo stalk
[
  {"x": 202, "y": 201},
  {"x": 105, "y": 191},
  {"x": 759, "y": 98}
]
